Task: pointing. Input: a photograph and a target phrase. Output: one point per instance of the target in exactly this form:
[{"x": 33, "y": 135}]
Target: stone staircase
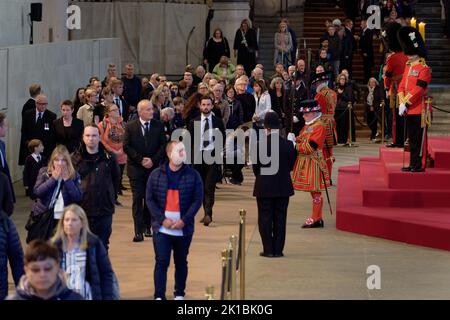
[
  {"x": 268, "y": 26},
  {"x": 438, "y": 47}
]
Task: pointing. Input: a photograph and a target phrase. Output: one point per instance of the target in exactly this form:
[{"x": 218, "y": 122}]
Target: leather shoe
[
  {"x": 394, "y": 145},
  {"x": 207, "y": 220},
  {"x": 138, "y": 238},
  {"x": 406, "y": 169},
  {"x": 316, "y": 224},
  {"x": 122, "y": 187},
  {"x": 267, "y": 255},
  {"x": 419, "y": 169},
  {"x": 278, "y": 255},
  {"x": 148, "y": 233}
]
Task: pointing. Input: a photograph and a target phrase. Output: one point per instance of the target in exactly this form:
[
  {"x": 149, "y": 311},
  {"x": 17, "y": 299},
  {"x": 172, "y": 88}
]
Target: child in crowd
[{"x": 33, "y": 163}]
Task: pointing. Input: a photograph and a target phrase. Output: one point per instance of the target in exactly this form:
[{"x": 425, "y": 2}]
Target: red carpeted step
[
  {"x": 428, "y": 227},
  {"x": 439, "y": 148},
  {"x": 431, "y": 179},
  {"x": 376, "y": 193}
]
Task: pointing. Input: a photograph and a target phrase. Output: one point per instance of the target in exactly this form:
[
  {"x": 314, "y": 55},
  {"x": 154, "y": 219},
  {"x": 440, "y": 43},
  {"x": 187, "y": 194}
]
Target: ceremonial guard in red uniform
[
  {"x": 395, "y": 67},
  {"x": 412, "y": 92},
  {"x": 327, "y": 100},
  {"x": 310, "y": 171}
]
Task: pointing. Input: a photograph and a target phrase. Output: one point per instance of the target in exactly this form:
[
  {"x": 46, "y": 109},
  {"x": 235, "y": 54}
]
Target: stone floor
[{"x": 318, "y": 264}]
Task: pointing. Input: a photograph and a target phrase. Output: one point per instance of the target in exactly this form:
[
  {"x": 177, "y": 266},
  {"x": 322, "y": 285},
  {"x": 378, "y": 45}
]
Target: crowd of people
[{"x": 74, "y": 164}]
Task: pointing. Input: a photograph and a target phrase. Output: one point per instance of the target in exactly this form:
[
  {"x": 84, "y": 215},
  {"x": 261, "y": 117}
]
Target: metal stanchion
[
  {"x": 350, "y": 126},
  {"x": 230, "y": 271},
  {"x": 233, "y": 246},
  {"x": 242, "y": 215},
  {"x": 383, "y": 119},
  {"x": 209, "y": 293},
  {"x": 224, "y": 286}
]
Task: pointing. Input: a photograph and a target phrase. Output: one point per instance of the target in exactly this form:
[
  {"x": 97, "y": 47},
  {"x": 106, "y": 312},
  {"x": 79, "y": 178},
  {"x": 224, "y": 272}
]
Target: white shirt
[
  {"x": 202, "y": 128},
  {"x": 36, "y": 157},
  {"x": 263, "y": 105},
  {"x": 118, "y": 102},
  {"x": 37, "y": 115},
  {"x": 143, "y": 125}
]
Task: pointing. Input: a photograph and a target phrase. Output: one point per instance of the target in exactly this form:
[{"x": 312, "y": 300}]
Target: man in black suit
[
  {"x": 348, "y": 46},
  {"x": 273, "y": 189},
  {"x": 35, "y": 90},
  {"x": 204, "y": 131},
  {"x": 144, "y": 144},
  {"x": 366, "y": 46},
  {"x": 3, "y": 163},
  {"x": 119, "y": 100},
  {"x": 37, "y": 124},
  {"x": 298, "y": 92}
]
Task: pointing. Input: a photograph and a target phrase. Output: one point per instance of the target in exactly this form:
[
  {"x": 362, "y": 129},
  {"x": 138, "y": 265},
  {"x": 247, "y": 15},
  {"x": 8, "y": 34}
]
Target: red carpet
[{"x": 376, "y": 198}]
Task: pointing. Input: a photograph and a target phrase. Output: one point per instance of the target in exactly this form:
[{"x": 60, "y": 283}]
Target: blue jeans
[{"x": 163, "y": 245}]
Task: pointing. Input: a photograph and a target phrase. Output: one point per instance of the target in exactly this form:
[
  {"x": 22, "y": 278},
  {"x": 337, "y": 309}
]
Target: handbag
[{"x": 42, "y": 226}]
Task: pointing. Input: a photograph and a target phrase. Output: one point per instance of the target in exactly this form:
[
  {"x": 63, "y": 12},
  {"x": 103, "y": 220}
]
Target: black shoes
[
  {"x": 122, "y": 187},
  {"x": 410, "y": 169},
  {"x": 394, "y": 145},
  {"x": 270, "y": 255},
  {"x": 207, "y": 220},
  {"x": 235, "y": 182},
  {"x": 267, "y": 255},
  {"x": 138, "y": 238},
  {"x": 148, "y": 232},
  {"x": 316, "y": 224}
]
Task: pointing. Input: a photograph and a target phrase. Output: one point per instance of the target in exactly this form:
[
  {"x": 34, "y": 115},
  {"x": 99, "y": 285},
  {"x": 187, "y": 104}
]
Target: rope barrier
[{"x": 439, "y": 109}]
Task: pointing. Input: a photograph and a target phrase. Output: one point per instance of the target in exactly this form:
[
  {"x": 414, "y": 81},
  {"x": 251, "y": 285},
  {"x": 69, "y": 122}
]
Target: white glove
[
  {"x": 291, "y": 137},
  {"x": 402, "y": 109},
  {"x": 295, "y": 119}
]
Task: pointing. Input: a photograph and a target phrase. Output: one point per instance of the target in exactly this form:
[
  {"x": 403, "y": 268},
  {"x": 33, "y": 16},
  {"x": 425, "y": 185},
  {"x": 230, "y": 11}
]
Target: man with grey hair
[
  {"x": 144, "y": 145},
  {"x": 37, "y": 124}
]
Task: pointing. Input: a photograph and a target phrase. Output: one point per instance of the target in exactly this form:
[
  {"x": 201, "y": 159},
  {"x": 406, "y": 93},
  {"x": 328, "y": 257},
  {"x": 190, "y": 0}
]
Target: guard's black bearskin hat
[
  {"x": 412, "y": 42},
  {"x": 390, "y": 39}
]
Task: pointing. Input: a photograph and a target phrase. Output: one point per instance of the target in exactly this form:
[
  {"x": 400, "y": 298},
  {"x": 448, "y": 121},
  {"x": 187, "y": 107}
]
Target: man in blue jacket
[
  {"x": 174, "y": 195},
  {"x": 10, "y": 249}
]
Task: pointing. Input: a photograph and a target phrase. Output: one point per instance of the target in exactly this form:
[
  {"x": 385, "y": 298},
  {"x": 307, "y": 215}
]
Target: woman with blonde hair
[
  {"x": 57, "y": 185},
  {"x": 373, "y": 101},
  {"x": 283, "y": 46},
  {"x": 83, "y": 256},
  {"x": 168, "y": 103},
  {"x": 158, "y": 98}
]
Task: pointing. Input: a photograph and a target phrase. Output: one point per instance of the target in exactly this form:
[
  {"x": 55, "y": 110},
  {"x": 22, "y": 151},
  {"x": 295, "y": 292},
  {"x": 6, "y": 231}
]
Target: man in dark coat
[
  {"x": 35, "y": 90},
  {"x": 204, "y": 131},
  {"x": 37, "y": 124},
  {"x": 10, "y": 249},
  {"x": 144, "y": 145},
  {"x": 366, "y": 46},
  {"x": 273, "y": 189},
  {"x": 174, "y": 195}
]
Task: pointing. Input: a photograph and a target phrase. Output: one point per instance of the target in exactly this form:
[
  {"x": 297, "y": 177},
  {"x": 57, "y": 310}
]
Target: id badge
[{"x": 46, "y": 127}]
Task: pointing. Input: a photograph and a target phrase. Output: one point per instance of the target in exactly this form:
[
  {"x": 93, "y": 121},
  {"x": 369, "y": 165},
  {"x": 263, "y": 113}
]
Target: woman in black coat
[
  {"x": 83, "y": 257},
  {"x": 246, "y": 46},
  {"x": 372, "y": 103},
  {"x": 344, "y": 95},
  {"x": 216, "y": 47},
  {"x": 68, "y": 130}
]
